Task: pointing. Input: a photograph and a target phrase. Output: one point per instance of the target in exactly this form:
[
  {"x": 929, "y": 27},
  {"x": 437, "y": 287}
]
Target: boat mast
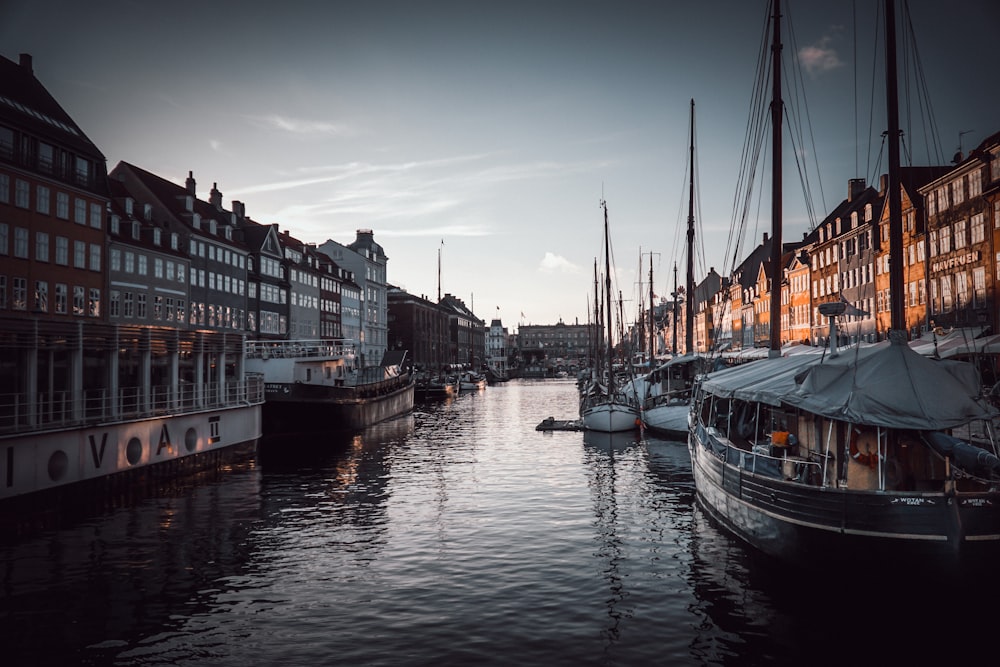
[
  {"x": 607, "y": 295},
  {"x": 596, "y": 347},
  {"x": 689, "y": 305},
  {"x": 676, "y": 296},
  {"x": 896, "y": 303},
  {"x": 776, "y": 111},
  {"x": 651, "y": 327}
]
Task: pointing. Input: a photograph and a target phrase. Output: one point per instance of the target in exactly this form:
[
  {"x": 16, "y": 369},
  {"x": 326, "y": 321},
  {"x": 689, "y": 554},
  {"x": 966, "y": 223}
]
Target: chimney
[
  {"x": 239, "y": 209},
  {"x": 190, "y": 185},
  {"x": 215, "y": 197},
  {"x": 855, "y": 187},
  {"x": 25, "y": 62},
  {"x": 765, "y": 238},
  {"x": 883, "y": 184}
]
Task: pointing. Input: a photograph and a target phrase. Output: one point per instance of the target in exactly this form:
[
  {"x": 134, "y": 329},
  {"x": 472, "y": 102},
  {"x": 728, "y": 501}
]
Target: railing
[
  {"x": 65, "y": 409},
  {"x": 759, "y": 460},
  {"x": 297, "y": 349}
]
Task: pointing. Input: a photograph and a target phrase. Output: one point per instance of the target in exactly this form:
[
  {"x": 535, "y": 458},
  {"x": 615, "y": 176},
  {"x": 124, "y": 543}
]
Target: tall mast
[
  {"x": 651, "y": 327},
  {"x": 607, "y": 295},
  {"x": 596, "y": 347},
  {"x": 674, "y": 323},
  {"x": 776, "y": 112},
  {"x": 896, "y": 303},
  {"x": 689, "y": 302}
]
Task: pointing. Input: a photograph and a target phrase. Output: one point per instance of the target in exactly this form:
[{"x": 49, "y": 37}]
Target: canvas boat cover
[
  {"x": 892, "y": 386},
  {"x": 887, "y": 385}
]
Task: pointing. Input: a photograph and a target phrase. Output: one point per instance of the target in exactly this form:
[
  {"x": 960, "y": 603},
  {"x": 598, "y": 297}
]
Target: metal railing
[{"x": 65, "y": 409}]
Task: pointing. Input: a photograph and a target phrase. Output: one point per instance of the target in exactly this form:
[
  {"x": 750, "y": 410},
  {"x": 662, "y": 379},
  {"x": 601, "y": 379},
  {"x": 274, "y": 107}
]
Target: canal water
[{"x": 458, "y": 535}]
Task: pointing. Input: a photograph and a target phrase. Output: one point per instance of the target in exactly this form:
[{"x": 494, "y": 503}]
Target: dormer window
[
  {"x": 212, "y": 227},
  {"x": 854, "y": 220},
  {"x": 147, "y": 211},
  {"x": 129, "y": 205},
  {"x": 868, "y": 212},
  {"x": 135, "y": 229},
  {"x": 156, "y": 236},
  {"x": 115, "y": 223},
  {"x": 189, "y": 203},
  {"x": 196, "y": 221},
  {"x": 229, "y": 233},
  {"x": 175, "y": 241}
]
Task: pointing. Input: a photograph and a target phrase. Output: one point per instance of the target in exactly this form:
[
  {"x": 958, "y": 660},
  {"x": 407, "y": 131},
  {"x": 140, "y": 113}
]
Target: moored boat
[
  {"x": 603, "y": 406},
  {"x": 316, "y": 386},
  {"x": 91, "y": 434},
  {"x": 849, "y": 458}
]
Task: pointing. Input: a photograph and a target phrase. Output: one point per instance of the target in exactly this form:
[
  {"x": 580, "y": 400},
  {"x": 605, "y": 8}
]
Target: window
[
  {"x": 960, "y": 236},
  {"x": 82, "y": 170},
  {"x": 78, "y": 297},
  {"x": 79, "y": 255},
  {"x": 21, "y": 242},
  {"x": 958, "y": 191},
  {"x": 157, "y": 307},
  {"x": 4, "y": 238},
  {"x": 95, "y": 216},
  {"x": 158, "y": 267},
  {"x": 979, "y": 285},
  {"x": 94, "y": 302},
  {"x": 116, "y": 259},
  {"x": 143, "y": 266},
  {"x": 114, "y": 304},
  {"x": 95, "y": 257},
  {"x": 41, "y": 296},
  {"x": 45, "y": 161},
  {"x": 3, "y": 292},
  {"x": 4, "y": 189},
  {"x": 61, "y": 296},
  {"x": 129, "y": 261},
  {"x": 978, "y": 228},
  {"x": 62, "y": 251},
  {"x": 945, "y": 239},
  {"x": 62, "y": 205},
  {"x": 42, "y": 197},
  {"x": 80, "y": 211},
  {"x": 22, "y": 193},
  {"x": 129, "y": 309},
  {"x": 42, "y": 246},
  {"x": 19, "y": 294},
  {"x": 141, "y": 306}
]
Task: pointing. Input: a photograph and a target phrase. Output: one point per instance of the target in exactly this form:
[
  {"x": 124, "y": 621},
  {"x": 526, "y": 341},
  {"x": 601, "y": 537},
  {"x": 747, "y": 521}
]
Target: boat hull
[
  {"x": 804, "y": 524},
  {"x": 669, "y": 420},
  {"x": 303, "y": 408},
  {"x": 610, "y": 417}
]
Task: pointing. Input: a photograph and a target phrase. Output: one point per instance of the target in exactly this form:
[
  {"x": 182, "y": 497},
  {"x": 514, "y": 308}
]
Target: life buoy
[{"x": 868, "y": 458}]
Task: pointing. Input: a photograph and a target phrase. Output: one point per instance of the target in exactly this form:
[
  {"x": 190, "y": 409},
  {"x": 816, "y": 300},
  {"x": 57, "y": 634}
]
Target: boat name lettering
[
  {"x": 976, "y": 502},
  {"x": 909, "y": 501},
  {"x": 98, "y": 456},
  {"x": 958, "y": 260},
  {"x": 164, "y": 441}
]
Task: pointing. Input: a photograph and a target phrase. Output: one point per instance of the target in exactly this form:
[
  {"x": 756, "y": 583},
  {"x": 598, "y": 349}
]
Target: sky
[{"x": 478, "y": 139}]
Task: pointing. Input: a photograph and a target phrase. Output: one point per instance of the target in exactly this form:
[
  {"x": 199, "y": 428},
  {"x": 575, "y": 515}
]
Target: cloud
[
  {"x": 303, "y": 127},
  {"x": 553, "y": 263},
  {"x": 216, "y": 145},
  {"x": 820, "y": 57}
]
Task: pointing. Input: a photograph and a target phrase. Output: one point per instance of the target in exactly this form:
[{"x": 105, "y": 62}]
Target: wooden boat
[{"x": 849, "y": 458}]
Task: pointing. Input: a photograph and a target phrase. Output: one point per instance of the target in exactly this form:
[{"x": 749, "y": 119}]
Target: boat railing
[
  {"x": 298, "y": 349},
  {"x": 21, "y": 413},
  {"x": 759, "y": 459}
]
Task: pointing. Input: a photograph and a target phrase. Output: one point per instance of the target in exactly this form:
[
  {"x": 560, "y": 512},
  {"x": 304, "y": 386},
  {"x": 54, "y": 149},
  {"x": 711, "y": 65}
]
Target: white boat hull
[
  {"x": 670, "y": 419},
  {"x": 610, "y": 417}
]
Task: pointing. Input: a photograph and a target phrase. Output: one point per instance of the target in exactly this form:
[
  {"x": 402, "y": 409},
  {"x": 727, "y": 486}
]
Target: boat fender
[{"x": 868, "y": 458}]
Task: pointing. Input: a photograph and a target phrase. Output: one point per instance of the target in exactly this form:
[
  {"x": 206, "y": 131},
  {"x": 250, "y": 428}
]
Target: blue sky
[{"x": 487, "y": 133}]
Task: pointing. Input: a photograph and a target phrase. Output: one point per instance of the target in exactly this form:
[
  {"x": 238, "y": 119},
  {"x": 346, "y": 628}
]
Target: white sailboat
[{"x": 602, "y": 406}]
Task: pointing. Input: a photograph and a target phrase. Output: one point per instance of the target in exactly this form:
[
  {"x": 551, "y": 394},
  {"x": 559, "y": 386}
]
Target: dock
[{"x": 553, "y": 424}]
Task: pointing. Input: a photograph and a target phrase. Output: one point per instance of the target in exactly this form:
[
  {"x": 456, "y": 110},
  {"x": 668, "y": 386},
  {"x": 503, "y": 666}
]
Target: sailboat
[
  {"x": 602, "y": 406},
  {"x": 668, "y": 400},
  {"x": 850, "y": 457}
]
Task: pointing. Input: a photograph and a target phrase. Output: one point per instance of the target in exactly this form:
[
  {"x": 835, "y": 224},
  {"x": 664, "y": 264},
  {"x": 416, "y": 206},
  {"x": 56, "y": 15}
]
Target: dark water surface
[{"x": 458, "y": 535}]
